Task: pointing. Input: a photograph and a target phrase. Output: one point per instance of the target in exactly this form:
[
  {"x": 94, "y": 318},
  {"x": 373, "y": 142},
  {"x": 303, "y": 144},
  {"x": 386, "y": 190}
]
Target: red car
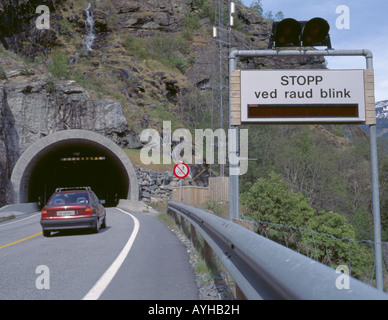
[{"x": 73, "y": 208}]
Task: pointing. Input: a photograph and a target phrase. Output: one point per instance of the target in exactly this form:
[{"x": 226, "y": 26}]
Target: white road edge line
[{"x": 107, "y": 277}]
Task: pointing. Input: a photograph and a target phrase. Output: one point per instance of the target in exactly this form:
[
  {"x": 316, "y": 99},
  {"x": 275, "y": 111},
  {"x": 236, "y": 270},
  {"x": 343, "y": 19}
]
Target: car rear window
[{"x": 68, "y": 199}]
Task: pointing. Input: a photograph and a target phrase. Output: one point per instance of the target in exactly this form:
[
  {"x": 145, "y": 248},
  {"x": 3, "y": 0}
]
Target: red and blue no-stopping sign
[{"x": 181, "y": 170}]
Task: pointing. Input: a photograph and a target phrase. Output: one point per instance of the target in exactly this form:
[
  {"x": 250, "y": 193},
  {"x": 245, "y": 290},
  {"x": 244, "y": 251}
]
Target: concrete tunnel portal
[{"x": 74, "y": 158}]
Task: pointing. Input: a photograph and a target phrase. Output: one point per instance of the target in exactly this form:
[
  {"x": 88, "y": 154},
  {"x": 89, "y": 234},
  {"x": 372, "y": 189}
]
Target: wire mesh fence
[{"x": 357, "y": 255}]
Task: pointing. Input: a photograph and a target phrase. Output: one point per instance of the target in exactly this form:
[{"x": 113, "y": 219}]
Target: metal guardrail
[{"x": 263, "y": 269}]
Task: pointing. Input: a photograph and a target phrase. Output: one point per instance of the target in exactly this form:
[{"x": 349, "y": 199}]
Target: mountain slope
[
  {"x": 157, "y": 58},
  {"x": 382, "y": 119}
]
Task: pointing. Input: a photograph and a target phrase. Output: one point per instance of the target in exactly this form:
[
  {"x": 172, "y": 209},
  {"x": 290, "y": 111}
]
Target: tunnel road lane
[{"x": 155, "y": 267}]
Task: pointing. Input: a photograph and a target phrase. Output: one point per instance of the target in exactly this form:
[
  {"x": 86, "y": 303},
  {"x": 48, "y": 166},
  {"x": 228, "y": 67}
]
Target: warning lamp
[
  {"x": 290, "y": 32},
  {"x": 286, "y": 32},
  {"x": 316, "y": 33}
]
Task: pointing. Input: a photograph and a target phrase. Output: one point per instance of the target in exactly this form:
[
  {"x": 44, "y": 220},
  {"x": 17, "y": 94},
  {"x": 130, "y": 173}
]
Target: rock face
[
  {"x": 18, "y": 30},
  {"x": 37, "y": 112},
  {"x": 150, "y": 15},
  {"x": 155, "y": 186},
  {"x": 9, "y": 150},
  {"x": 33, "y": 106}
]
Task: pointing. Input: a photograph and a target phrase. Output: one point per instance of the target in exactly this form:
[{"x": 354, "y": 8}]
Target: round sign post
[{"x": 181, "y": 170}]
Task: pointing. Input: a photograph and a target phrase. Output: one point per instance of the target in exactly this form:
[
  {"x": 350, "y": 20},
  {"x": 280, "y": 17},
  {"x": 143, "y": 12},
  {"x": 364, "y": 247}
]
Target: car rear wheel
[
  {"x": 103, "y": 224},
  {"x": 96, "y": 229},
  {"x": 46, "y": 233}
]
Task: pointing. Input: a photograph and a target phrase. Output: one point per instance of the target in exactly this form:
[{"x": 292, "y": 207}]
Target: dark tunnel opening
[{"x": 79, "y": 164}]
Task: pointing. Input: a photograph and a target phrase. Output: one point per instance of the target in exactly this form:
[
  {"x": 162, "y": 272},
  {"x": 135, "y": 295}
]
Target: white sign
[
  {"x": 181, "y": 170},
  {"x": 302, "y": 96}
]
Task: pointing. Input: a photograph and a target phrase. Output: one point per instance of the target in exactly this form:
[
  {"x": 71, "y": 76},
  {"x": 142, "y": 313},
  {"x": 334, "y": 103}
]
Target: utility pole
[{"x": 221, "y": 34}]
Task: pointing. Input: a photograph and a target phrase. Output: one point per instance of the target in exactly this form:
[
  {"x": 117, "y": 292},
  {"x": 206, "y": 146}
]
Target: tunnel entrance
[
  {"x": 74, "y": 158},
  {"x": 77, "y": 165}
]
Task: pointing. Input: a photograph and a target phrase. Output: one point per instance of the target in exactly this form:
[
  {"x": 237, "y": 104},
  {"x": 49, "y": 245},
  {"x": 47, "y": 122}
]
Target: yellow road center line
[{"x": 10, "y": 244}]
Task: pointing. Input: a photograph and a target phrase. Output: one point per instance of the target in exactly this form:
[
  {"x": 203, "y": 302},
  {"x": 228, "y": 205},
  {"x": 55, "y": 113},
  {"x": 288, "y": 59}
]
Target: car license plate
[{"x": 66, "y": 213}]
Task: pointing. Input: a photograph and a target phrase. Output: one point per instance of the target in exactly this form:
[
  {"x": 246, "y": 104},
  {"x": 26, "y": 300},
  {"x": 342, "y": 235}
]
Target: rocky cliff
[{"x": 34, "y": 105}]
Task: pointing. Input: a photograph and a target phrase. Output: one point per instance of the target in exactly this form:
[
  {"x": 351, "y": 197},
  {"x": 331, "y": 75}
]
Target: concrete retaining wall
[{"x": 18, "y": 209}]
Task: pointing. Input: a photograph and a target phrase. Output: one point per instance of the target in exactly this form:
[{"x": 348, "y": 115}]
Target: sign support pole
[
  {"x": 181, "y": 170},
  {"x": 376, "y": 207},
  {"x": 180, "y": 190},
  {"x": 234, "y": 210},
  {"x": 375, "y": 196},
  {"x": 234, "y": 179}
]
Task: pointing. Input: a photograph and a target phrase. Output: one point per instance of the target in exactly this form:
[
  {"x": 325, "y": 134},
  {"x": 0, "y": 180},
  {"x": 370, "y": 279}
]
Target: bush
[
  {"x": 136, "y": 46},
  {"x": 339, "y": 248},
  {"x": 191, "y": 22},
  {"x": 274, "y": 200},
  {"x": 171, "y": 51},
  {"x": 59, "y": 65},
  {"x": 3, "y": 75}
]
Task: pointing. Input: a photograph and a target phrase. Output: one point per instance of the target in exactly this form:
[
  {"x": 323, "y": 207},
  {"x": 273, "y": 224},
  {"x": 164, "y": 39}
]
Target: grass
[
  {"x": 213, "y": 272},
  {"x": 3, "y": 75},
  {"x": 173, "y": 52},
  {"x": 134, "y": 156},
  {"x": 166, "y": 219},
  {"x": 2, "y": 219},
  {"x": 220, "y": 209},
  {"x": 207, "y": 271},
  {"x": 59, "y": 65},
  {"x": 203, "y": 268}
]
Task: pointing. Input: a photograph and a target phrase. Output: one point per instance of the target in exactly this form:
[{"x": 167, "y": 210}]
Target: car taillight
[
  {"x": 88, "y": 211},
  {"x": 44, "y": 213}
]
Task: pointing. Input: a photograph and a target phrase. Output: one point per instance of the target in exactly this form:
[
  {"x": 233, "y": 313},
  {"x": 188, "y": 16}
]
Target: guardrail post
[
  {"x": 239, "y": 294},
  {"x": 173, "y": 214},
  {"x": 207, "y": 253},
  {"x": 183, "y": 224},
  {"x": 193, "y": 236}
]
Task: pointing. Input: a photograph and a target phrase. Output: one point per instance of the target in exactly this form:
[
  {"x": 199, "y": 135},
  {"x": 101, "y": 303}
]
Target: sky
[{"x": 367, "y": 29}]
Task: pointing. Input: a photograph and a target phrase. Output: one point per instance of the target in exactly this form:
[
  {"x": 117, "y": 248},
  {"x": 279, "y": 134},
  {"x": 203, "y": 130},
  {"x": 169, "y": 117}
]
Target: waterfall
[{"x": 87, "y": 41}]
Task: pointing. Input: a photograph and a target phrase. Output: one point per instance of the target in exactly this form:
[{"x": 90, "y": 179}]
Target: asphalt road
[{"x": 135, "y": 257}]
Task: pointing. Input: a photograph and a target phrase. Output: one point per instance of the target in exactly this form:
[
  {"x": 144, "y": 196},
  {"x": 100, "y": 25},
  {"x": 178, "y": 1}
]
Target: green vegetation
[
  {"x": 289, "y": 219},
  {"x": 383, "y": 177},
  {"x": 173, "y": 52},
  {"x": 165, "y": 218},
  {"x": 134, "y": 156},
  {"x": 191, "y": 22},
  {"x": 258, "y": 7},
  {"x": 2, "y": 219},
  {"x": 331, "y": 173},
  {"x": 59, "y": 65},
  {"x": 3, "y": 75},
  {"x": 206, "y": 9},
  {"x": 50, "y": 83},
  {"x": 136, "y": 46},
  {"x": 273, "y": 200},
  {"x": 308, "y": 182},
  {"x": 218, "y": 208}
]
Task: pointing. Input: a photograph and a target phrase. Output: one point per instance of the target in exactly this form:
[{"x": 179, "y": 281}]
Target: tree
[
  {"x": 274, "y": 200},
  {"x": 340, "y": 247},
  {"x": 257, "y": 6},
  {"x": 279, "y": 16}
]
